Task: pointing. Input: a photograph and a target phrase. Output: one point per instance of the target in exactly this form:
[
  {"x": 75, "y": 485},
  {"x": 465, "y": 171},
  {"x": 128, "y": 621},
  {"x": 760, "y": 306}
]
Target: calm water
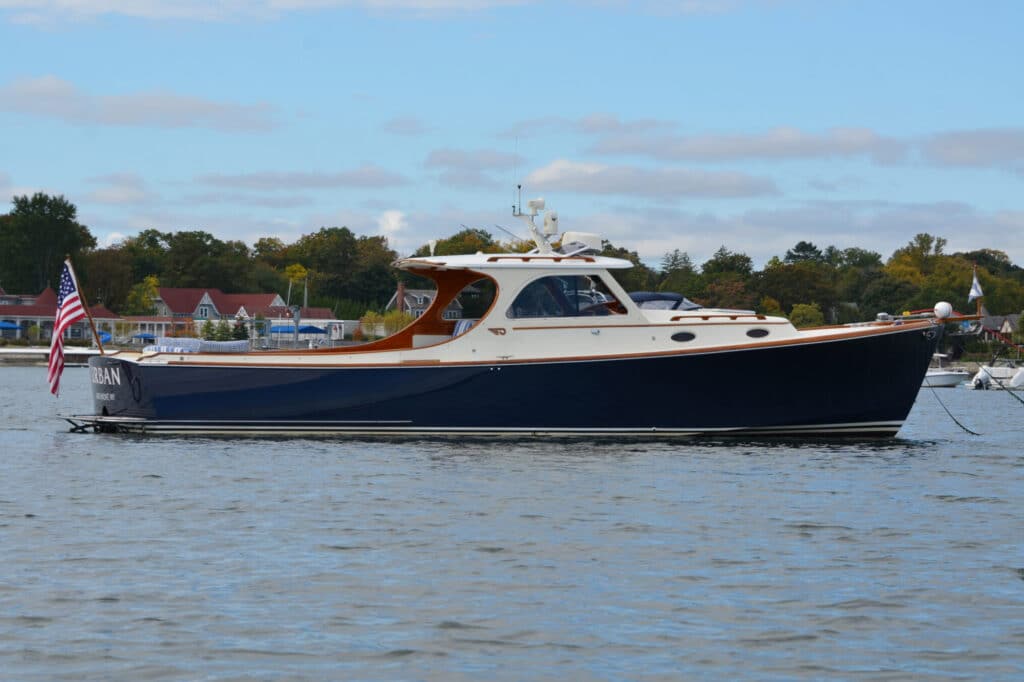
[{"x": 222, "y": 559}]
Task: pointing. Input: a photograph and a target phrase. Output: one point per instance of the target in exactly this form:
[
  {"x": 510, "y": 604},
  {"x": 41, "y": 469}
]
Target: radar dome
[{"x": 943, "y": 310}]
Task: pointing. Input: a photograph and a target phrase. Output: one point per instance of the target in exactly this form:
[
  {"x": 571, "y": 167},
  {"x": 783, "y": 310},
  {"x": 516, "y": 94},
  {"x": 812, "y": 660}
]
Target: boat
[
  {"x": 562, "y": 350},
  {"x": 941, "y": 376},
  {"x": 945, "y": 378},
  {"x": 1006, "y": 376}
]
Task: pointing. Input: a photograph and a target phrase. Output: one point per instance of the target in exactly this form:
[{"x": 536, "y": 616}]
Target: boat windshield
[{"x": 565, "y": 296}]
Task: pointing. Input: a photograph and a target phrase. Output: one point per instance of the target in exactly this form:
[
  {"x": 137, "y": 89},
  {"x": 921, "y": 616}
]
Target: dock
[{"x": 40, "y": 355}]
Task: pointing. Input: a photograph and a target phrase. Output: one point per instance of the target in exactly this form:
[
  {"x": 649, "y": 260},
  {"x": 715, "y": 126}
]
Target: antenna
[
  {"x": 535, "y": 206},
  {"x": 515, "y": 174}
]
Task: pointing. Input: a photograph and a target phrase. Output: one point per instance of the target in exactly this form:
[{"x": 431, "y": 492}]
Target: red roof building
[{"x": 39, "y": 311}]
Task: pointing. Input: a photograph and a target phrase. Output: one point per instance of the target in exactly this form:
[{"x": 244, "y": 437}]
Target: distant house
[
  {"x": 20, "y": 312},
  {"x": 416, "y": 301},
  {"x": 179, "y": 312},
  {"x": 991, "y": 327},
  {"x": 186, "y": 310},
  {"x": 199, "y": 305},
  {"x": 1010, "y": 325}
]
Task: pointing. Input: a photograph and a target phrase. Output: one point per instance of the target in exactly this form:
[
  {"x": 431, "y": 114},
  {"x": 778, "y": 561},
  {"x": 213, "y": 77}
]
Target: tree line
[{"x": 352, "y": 274}]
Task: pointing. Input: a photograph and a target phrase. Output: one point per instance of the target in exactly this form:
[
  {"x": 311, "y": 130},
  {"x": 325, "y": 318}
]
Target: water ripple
[{"x": 320, "y": 559}]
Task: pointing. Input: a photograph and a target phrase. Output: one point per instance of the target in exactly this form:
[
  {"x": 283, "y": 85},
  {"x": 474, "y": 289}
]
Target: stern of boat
[{"x": 117, "y": 389}]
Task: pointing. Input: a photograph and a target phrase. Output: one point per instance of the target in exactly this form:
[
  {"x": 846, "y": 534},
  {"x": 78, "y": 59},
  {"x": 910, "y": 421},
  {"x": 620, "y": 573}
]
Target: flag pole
[
  {"x": 977, "y": 301},
  {"x": 85, "y": 304}
]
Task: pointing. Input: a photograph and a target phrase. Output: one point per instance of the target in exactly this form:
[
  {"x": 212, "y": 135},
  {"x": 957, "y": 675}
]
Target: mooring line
[
  {"x": 1012, "y": 392},
  {"x": 955, "y": 420}
]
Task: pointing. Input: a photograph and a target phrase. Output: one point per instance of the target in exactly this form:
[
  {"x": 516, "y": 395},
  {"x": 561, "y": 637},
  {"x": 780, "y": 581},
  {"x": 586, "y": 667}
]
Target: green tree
[
  {"x": 805, "y": 280},
  {"x": 467, "y": 240},
  {"x": 35, "y": 237},
  {"x": 222, "y": 330},
  {"x": 396, "y": 320},
  {"x": 806, "y": 315},
  {"x": 729, "y": 290},
  {"x": 804, "y": 251},
  {"x": 769, "y": 306},
  {"x": 675, "y": 260},
  {"x": 726, "y": 261},
  {"x": 198, "y": 259},
  {"x": 885, "y": 293},
  {"x": 208, "y": 331},
  {"x": 146, "y": 252},
  {"x": 374, "y": 278},
  {"x": 330, "y": 255},
  {"x": 920, "y": 254},
  {"x": 637, "y": 278},
  {"x": 855, "y": 257},
  {"x": 271, "y": 251},
  {"x": 297, "y": 275},
  {"x": 370, "y": 324},
  {"x": 142, "y": 297},
  {"x": 109, "y": 277},
  {"x": 678, "y": 273}
]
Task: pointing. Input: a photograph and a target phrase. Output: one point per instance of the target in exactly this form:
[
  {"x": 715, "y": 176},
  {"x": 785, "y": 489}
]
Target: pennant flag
[
  {"x": 69, "y": 311},
  {"x": 975, "y": 288}
]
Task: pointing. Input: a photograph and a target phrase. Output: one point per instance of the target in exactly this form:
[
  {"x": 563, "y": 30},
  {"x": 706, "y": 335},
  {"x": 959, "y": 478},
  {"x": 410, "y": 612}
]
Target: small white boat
[
  {"x": 1006, "y": 376},
  {"x": 945, "y": 378},
  {"x": 941, "y": 376}
]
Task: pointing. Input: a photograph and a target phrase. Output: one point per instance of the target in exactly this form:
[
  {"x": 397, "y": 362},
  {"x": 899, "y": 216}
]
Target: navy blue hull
[{"x": 854, "y": 386}]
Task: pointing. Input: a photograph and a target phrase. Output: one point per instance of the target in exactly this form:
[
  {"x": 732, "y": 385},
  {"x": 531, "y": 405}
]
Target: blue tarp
[
  {"x": 145, "y": 336},
  {"x": 281, "y": 329},
  {"x": 4, "y": 324},
  {"x": 104, "y": 337},
  {"x": 310, "y": 329}
]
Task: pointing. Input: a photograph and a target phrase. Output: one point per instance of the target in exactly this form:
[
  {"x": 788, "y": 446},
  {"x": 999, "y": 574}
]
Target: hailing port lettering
[{"x": 109, "y": 376}]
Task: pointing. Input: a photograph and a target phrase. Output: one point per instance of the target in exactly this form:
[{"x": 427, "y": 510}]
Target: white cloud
[
  {"x": 243, "y": 199},
  {"x": 778, "y": 143},
  {"x": 50, "y": 11},
  {"x": 1001, "y": 148},
  {"x": 112, "y": 239},
  {"x": 367, "y": 175},
  {"x": 120, "y": 188},
  {"x": 53, "y": 97},
  {"x": 664, "y": 183},
  {"x": 992, "y": 148},
  {"x": 8, "y": 190},
  {"x": 405, "y": 125},
  {"x": 471, "y": 168},
  {"x": 53, "y": 11},
  {"x": 591, "y": 124},
  {"x": 683, "y": 7},
  {"x": 761, "y": 234},
  {"x": 392, "y": 225}
]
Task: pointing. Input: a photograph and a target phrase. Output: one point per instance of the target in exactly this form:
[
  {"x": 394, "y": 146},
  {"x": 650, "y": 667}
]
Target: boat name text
[{"x": 109, "y": 376}]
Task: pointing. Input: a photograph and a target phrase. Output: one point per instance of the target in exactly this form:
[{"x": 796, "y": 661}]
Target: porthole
[
  {"x": 683, "y": 336},
  {"x": 757, "y": 333}
]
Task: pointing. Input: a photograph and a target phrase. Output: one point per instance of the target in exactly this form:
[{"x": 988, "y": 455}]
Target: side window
[{"x": 565, "y": 296}]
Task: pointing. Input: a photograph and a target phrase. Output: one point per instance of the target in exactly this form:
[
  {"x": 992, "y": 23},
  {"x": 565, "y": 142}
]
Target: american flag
[{"x": 69, "y": 311}]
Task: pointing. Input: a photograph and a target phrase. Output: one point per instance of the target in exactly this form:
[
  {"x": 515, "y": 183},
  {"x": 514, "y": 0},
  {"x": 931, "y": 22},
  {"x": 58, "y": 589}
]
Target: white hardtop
[{"x": 506, "y": 261}]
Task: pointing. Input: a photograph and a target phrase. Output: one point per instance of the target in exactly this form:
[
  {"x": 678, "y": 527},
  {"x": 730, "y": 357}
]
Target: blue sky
[{"x": 660, "y": 124}]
